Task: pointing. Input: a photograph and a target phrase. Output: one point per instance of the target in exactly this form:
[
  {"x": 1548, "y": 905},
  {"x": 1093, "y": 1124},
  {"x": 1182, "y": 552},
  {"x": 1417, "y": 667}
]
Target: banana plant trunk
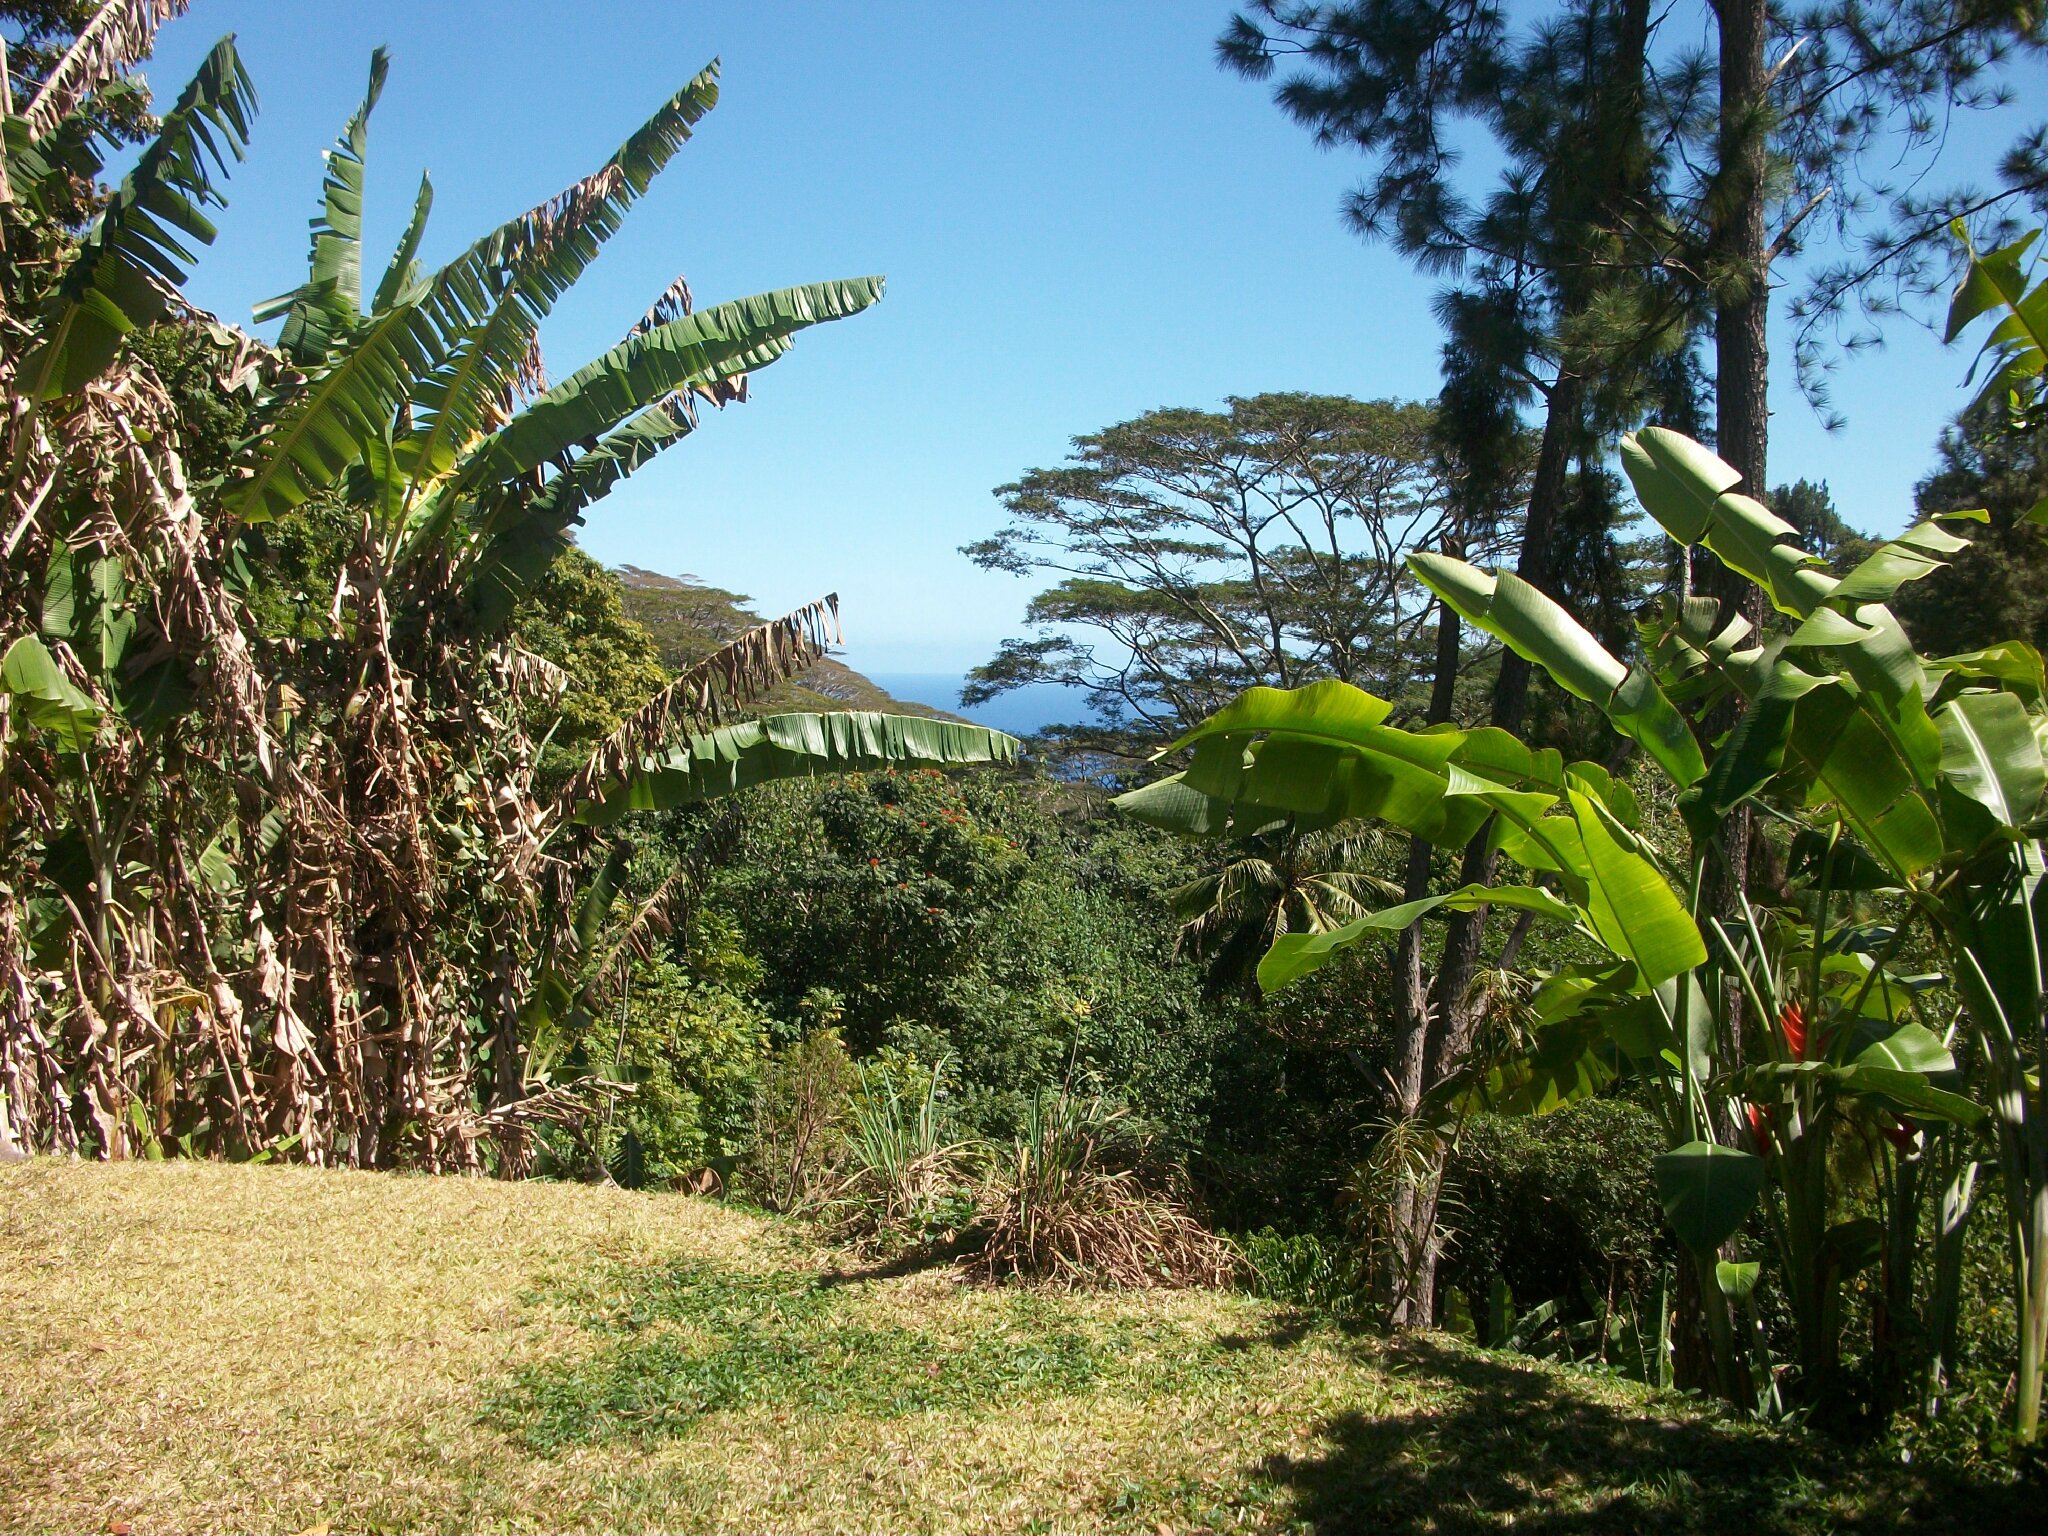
[{"x": 1415, "y": 1221}]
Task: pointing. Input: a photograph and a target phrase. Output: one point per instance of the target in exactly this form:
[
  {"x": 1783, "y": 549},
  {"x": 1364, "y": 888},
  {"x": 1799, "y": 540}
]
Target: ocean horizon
[{"x": 1021, "y": 712}]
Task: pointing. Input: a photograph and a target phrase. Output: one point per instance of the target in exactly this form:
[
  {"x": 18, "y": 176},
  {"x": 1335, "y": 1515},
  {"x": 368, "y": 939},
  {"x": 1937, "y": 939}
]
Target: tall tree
[
  {"x": 1202, "y": 552},
  {"x": 1997, "y": 589},
  {"x": 1637, "y": 188}
]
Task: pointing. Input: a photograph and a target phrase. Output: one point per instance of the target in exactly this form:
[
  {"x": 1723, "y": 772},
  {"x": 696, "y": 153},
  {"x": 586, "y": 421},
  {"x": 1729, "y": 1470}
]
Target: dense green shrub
[
  {"x": 1559, "y": 1208},
  {"x": 794, "y": 1146},
  {"x": 1006, "y": 922},
  {"x": 1319, "y": 1274},
  {"x": 1308, "y": 1076},
  {"x": 691, "y": 1051}
]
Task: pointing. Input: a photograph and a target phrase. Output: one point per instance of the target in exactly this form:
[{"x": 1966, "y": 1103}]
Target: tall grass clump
[
  {"x": 904, "y": 1183},
  {"x": 1067, "y": 1205}
]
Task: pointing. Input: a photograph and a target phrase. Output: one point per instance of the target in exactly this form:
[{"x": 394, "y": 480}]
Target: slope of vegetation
[
  {"x": 199, "y": 1347},
  {"x": 689, "y": 619}
]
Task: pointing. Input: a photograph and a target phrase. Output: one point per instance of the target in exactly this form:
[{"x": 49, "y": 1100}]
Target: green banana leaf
[
  {"x": 736, "y": 757},
  {"x": 1707, "y": 1192},
  {"x": 1909, "y": 1048},
  {"x": 1539, "y": 630},
  {"x": 1691, "y": 495},
  {"x": 49, "y": 700},
  {"x": 1631, "y": 906},
  {"x": 523, "y": 546},
  {"x": 332, "y": 295},
  {"x": 403, "y": 272},
  {"x": 709, "y": 344},
  {"x": 1295, "y": 955},
  {"x": 527, "y": 264},
  {"x": 140, "y": 245},
  {"x": 1173, "y": 805},
  {"x": 2018, "y": 344},
  {"x": 343, "y": 409},
  {"x": 1990, "y": 754}
]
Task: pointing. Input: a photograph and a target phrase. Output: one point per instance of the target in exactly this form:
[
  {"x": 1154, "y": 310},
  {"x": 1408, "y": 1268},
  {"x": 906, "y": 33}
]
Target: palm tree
[{"x": 1282, "y": 881}]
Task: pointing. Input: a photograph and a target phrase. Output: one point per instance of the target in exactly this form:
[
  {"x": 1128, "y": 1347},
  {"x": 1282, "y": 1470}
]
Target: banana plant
[
  {"x": 266, "y": 887},
  {"x": 1654, "y": 1006},
  {"x": 2014, "y": 356},
  {"x": 1325, "y": 753},
  {"x": 1926, "y": 773}
]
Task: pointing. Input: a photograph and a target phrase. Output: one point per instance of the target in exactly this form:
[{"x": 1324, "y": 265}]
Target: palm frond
[
  {"x": 133, "y": 259},
  {"x": 703, "y": 696},
  {"x": 121, "y": 34},
  {"x": 708, "y": 344},
  {"x": 527, "y": 264},
  {"x": 403, "y": 271},
  {"x": 332, "y": 295},
  {"x": 736, "y": 757}
]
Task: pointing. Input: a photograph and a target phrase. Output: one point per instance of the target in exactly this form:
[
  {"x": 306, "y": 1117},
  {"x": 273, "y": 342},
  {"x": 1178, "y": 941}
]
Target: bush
[
  {"x": 1308, "y": 1076},
  {"x": 1011, "y": 923},
  {"x": 1559, "y": 1208},
  {"x": 1067, "y": 1206},
  {"x": 1307, "y": 1270},
  {"x": 689, "y": 1048},
  {"x": 797, "y": 1144}
]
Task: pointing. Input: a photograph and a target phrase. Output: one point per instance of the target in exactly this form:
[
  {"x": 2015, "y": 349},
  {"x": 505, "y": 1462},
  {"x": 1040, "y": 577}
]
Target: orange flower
[{"x": 1793, "y": 1022}]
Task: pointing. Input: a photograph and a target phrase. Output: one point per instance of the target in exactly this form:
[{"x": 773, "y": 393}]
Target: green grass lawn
[{"x": 195, "y": 1347}]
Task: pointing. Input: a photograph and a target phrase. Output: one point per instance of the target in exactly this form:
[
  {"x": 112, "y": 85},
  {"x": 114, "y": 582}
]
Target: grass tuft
[{"x": 693, "y": 1341}]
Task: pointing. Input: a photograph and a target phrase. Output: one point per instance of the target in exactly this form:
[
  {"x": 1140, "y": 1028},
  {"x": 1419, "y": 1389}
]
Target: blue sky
[{"x": 1080, "y": 217}]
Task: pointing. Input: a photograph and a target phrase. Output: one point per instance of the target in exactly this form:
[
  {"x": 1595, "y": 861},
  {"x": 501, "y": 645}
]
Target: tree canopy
[{"x": 1201, "y": 552}]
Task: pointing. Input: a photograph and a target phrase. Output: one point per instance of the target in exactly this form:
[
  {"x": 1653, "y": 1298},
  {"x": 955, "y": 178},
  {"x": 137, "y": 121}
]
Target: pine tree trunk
[
  {"x": 1743, "y": 300},
  {"x": 1466, "y": 933}
]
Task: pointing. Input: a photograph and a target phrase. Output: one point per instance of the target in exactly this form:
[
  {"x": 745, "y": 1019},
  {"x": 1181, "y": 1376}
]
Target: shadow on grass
[
  {"x": 1517, "y": 1449},
  {"x": 911, "y": 1262}
]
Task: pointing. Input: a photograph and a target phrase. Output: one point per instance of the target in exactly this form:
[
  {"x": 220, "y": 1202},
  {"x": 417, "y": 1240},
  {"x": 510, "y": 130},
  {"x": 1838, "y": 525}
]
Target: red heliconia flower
[
  {"x": 1759, "y": 1125},
  {"x": 1793, "y": 1022},
  {"x": 1901, "y": 1134}
]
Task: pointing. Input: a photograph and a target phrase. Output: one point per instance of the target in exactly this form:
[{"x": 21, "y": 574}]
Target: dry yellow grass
[
  {"x": 196, "y": 1346},
  {"x": 191, "y": 1347}
]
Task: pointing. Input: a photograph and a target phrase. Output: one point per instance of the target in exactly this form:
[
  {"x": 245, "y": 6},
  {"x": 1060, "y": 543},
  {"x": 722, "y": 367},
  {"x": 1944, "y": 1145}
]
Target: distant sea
[{"x": 1020, "y": 712}]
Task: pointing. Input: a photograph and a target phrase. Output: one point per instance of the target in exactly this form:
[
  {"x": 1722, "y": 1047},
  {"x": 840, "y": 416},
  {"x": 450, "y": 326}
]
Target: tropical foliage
[
  {"x": 1910, "y": 789},
  {"x": 352, "y": 814},
  {"x": 285, "y": 875}
]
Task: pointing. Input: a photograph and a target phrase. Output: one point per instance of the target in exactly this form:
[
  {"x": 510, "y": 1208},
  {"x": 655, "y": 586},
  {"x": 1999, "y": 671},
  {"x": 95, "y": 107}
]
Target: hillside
[
  {"x": 689, "y": 619},
  {"x": 190, "y": 1347}
]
